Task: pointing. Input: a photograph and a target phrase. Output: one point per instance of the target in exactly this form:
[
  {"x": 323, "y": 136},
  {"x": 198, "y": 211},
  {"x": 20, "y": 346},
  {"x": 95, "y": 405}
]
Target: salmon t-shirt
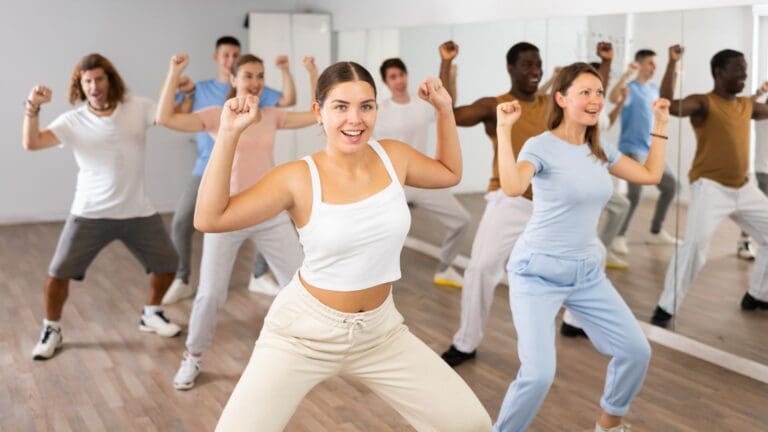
[{"x": 255, "y": 153}]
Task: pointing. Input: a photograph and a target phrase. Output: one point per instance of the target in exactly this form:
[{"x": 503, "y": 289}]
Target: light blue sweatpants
[{"x": 540, "y": 285}]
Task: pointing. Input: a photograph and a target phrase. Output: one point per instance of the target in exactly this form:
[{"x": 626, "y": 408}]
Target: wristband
[{"x": 659, "y": 136}]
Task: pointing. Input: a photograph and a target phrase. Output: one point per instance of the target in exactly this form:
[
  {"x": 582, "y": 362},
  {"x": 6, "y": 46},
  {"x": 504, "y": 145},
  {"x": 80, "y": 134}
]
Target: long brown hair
[
  {"x": 243, "y": 59},
  {"x": 562, "y": 83},
  {"x": 116, "y": 90}
]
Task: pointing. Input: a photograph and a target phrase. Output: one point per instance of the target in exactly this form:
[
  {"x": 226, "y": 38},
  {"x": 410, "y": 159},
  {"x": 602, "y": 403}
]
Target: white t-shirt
[
  {"x": 109, "y": 152},
  {"x": 408, "y": 122}
]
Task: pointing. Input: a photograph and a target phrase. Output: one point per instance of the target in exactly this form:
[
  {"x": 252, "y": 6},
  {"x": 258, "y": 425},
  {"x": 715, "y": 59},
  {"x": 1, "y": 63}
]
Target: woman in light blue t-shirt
[{"x": 559, "y": 259}]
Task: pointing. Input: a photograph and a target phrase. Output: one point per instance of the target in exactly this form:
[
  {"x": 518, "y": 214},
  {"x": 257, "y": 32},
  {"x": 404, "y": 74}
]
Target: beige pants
[{"x": 303, "y": 342}]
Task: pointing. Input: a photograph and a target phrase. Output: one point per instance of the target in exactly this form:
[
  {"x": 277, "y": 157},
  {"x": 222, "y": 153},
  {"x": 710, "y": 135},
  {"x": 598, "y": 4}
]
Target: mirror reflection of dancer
[
  {"x": 108, "y": 137},
  {"x": 337, "y": 315},
  {"x": 720, "y": 184},
  {"x": 558, "y": 260},
  {"x": 407, "y": 118}
]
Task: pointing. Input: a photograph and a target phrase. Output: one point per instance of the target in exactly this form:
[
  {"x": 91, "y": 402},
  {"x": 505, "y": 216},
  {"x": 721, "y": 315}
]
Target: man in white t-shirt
[
  {"x": 407, "y": 118},
  {"x": 107, "y": 134}
]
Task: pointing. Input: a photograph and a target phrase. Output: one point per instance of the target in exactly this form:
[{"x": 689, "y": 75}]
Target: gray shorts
[{"x": 83, "y": 238}]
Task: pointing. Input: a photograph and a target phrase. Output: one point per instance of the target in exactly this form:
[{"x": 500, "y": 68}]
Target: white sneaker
[
  {"x": 612, "y": 261},
  {"x": 744, "y": 250},
  {"x": 449, "y": 277},
  {"x": 662, "y": 238},
  {"x": 178, "y": 291},
  {"x": 619, "y": 245},
  {"x": 187, "y": 373},
  {"x": 158, "y": 323},
  {"x": 620, "y": 428},
  {"x": 264, "y": 284},
  {"x": 50, "y": 341}
]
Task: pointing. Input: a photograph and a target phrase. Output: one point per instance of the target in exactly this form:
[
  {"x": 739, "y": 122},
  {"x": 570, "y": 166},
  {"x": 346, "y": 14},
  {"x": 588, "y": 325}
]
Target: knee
[
  {"x": 638, "y": 352},
  {"x": 540, "y": 378}
]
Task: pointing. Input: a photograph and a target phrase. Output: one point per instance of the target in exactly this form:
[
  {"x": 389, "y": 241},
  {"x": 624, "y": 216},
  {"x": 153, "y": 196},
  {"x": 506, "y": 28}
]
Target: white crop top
[{"x": 350, "y": 247}]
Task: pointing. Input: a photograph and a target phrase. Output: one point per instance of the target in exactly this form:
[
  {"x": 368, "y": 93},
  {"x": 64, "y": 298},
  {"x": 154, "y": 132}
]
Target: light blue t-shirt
[
  {"x": 637, "y": 118},
  {"x": 213, "y": 92},
  {"x": 570, "y": 189}
]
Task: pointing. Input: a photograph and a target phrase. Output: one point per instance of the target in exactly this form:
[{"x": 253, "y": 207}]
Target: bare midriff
[{"x": 350, "y": 301}]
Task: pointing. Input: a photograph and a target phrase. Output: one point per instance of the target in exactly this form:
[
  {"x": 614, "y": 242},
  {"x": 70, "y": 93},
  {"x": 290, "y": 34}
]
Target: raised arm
[
  {"x": 650, "y": 172},
  {"x": 166, "y": 113},
  {"x": 444, "y": 170},
  {"x": 544, "y": 88},
  {"x": 761, "y": 91},
  {"x": 187, "y": 87},
  {"x": 298, "y": 120},
  {"x": 615, "y": 94},
  {"x": 288, "y": 98},
  {"x": 515, "y": 177},
  {"x": 760, "y": 110},
  {"x": 448, "y": 51},
  {"x": 614, "y": 114},
  {"x": 216, "y": 211},
  {"x": 32, "y": 137},
  {"x": 693, "y": 105},
  {"x": 605, "y": 52}
]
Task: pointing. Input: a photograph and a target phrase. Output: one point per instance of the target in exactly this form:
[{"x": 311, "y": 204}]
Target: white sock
[
  {"x": 152, "y": 309},
  {"x": 54, "y": 324}
]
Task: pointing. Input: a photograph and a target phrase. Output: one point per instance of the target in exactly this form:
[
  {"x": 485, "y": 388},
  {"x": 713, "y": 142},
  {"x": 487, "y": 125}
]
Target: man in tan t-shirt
[
  {"x": 720, "y": 185},
  {"x": 505, "y": 217}
]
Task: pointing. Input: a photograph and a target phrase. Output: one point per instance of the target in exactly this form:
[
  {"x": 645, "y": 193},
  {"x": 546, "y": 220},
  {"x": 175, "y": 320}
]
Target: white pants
[
  {"x": 710, "y": 203},
  {"x": 277, "y": 241},
  {"x": 443, "y": 206},
  {"x": 503, "y": 221},
  {"x": 303, "y": 342}
]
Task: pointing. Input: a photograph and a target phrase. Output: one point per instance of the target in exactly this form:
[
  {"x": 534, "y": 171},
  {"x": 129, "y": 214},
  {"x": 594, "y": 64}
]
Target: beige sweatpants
[{"x": 303, "y": 342}]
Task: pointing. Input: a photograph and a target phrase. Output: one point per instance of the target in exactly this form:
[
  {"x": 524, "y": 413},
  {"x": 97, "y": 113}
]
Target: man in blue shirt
[
  {"x": 635, "y": 141},
  {"x": 194, "y": 97}
]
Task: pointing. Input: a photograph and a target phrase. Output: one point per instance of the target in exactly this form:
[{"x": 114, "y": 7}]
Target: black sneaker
[
  {"x": 455, "y": 357},
  {"x": 750, "y": 303},
  {"x": 570, "y": 331},
  {"x": 660, "y": 317},
  {"x": 744, "y": 251}
]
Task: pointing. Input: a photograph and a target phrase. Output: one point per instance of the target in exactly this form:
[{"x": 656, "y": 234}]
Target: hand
[
  {"x": 309, "y": 64},
  {"x": 605, "y": 51},
  {"x": 632, "y": 68},
  {"x": 282, "y": 63},
  {"x": 661, "y": 110},
  {"x": 623, "y": 93},
  {"x": 239, "y": 112},
  {"x": 179, "y": 62},
  {"x": 185, "y": 85},
  {"x": 448, "y": 50},
  {"x": 507, "y": 113},
  {"x": 432, "y": 91},
  {"x": 39, "y": 95},
  {"x": 676, "y": 52}
]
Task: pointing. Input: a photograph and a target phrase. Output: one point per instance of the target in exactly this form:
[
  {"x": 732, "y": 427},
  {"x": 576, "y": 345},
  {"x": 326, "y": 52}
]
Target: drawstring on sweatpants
[{"x": 356, "y": 322}]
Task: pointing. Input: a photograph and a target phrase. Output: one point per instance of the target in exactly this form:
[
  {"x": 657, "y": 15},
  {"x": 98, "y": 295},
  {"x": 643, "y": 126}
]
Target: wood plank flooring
[{"x": 110, "y": 376}]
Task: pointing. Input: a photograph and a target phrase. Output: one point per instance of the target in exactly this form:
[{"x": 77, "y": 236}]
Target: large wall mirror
[{"x": 710, "y": 312}]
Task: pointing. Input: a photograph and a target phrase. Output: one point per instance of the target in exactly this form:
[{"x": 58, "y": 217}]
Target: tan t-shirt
[
  {"x": 532, "y": 122},
  {"x": 255, "y": 153},
  {"x": 722, "y": 142}
]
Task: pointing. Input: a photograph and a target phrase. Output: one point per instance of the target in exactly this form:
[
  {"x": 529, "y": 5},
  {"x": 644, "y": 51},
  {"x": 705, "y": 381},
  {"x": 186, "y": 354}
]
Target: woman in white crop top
[{"x": 337, "y": 316}]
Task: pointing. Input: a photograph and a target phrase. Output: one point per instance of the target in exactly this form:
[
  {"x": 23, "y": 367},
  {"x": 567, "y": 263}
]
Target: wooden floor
[
  {"x": 710, "y": 312},
  {"x": 110, "y": 376}
]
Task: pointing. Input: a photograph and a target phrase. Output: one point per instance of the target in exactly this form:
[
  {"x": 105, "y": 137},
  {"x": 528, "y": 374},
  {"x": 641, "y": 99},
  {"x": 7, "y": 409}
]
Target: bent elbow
[{"x": 511, "y": 191}]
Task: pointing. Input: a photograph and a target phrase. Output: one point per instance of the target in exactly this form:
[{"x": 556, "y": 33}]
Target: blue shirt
[
  {"x": 570, "y": 189},
  {"x": 269, "y": 98},
  {"x": 637, "y": 118},
  {"x": 213, "y": 92}
]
